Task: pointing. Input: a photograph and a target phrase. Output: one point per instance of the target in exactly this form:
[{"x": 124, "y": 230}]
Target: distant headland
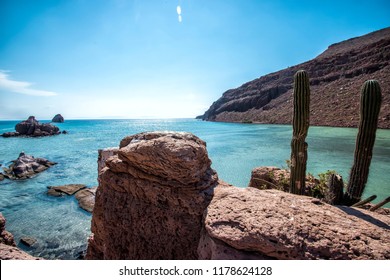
[{"x": 336, "y": 76}]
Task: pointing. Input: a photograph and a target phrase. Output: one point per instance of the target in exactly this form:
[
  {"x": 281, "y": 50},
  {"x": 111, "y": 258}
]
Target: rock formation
[
  {"x": 28, "y": 241},
  {"x": 5, "y": 237},
  {"x": 103, "y": 155},
  {"x": 26, "y": 166},
  {"x": 69, "y": 189},
  {"x": 270, "y": 177},
  {"x": 58, "y": 118},
  {"x": 8, "y": 249},
  {"x": 85, "y": 196},
  {"x": 32, "y": 128},
  {"x": 151, "y": 198},
  {"x": 158, "y": 198},
  {"x": 271, "y": 224},
  {"x": 336, "y": 77}
]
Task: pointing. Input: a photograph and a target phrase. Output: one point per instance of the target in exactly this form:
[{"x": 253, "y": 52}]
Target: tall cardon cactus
[
  {"x": 370, "y": 103},
  {"x": 300, "y": 128}
]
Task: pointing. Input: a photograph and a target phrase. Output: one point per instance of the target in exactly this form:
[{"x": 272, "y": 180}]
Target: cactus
[
  {"x": 300, "y": 128},
  {"x": 370, "y": 103}
]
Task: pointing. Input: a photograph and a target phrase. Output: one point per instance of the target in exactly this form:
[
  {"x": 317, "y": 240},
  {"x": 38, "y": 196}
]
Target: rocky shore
[
  {"x": 8, "y": 249},
  {"x": 158, "y": 198}
]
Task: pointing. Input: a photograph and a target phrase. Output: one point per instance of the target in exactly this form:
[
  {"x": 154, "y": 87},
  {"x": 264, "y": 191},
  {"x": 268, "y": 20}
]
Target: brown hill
[{"x": 336, "y": 77}]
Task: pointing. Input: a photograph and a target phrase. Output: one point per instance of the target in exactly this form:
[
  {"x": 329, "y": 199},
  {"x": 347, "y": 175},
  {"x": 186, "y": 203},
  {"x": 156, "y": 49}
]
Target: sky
[{"x": 138, "y": 59}]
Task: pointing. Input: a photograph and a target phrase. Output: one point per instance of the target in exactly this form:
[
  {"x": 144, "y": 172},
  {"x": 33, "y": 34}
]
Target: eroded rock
[
  {"x": 151, "y": 198},
  {"x": 69, "y": 189},
  {"x": 26, "y": 166},
  {"x": 86, "y": 198},
  {"x": 280, "y": 225},
  {"x": 28, "y": 241},
  {"x": 104, "y": 154},
  {"x": 58, "y": 118},
  {"x": 270, "y": 177},
  {"x": 32, "y": 128},
  {"x": 5, "y": 236}
]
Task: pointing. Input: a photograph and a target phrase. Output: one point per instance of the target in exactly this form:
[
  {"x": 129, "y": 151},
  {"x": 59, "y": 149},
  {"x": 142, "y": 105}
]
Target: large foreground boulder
[
  {"x": 26, "y": 166},
  {"x": 151, "y": 198},
  {"x": 32, "y": 128},
  {"x": 271, "y": 224}
]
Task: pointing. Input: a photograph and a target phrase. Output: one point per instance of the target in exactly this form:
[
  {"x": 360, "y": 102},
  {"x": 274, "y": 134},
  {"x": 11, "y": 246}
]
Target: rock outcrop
[
  {"x": 58, "y": 118},
  {"x": 271, "y": 224},
  {"x": 5, "y": 237},
  {"x": 151, "y": 198},
  {"x": 270, "y": 177},
  {"x": 8, "y": 249},
  {"x": 86, "y": 198},
  {"x": 158, "y": 198},
  {"x": 28, "y": 241},
  {"x": 26, "y": 166},
  {"x": 69, "y": 189},
  {"x": 336, "y": 77},
  {"x": 32, "y": 128},
  {"x": 104, "y": 154}
]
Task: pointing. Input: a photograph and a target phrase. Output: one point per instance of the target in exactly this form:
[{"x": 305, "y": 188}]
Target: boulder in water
[
  {"x": 26, "y": 166},
  {"x": 58, "y": 118}
]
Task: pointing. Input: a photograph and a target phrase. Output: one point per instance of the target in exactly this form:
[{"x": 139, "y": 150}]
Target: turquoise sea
[{"x": 62, "y": 228}]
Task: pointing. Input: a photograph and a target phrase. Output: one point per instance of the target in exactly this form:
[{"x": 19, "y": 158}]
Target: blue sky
[{"x": 134, "y": 59}]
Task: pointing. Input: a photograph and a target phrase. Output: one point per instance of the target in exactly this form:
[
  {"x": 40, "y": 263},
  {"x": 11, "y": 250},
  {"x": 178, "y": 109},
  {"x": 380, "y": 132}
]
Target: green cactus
[
  {"x": 300, "y": 128},
  {"x": 370, "y": 103}
]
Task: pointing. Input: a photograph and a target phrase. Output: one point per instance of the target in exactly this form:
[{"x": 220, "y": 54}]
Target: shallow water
[{"x": 62, "y": 228}]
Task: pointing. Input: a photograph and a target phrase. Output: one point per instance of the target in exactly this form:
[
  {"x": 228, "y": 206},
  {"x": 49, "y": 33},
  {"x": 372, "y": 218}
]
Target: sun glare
[{"x": 178, "y": 9}]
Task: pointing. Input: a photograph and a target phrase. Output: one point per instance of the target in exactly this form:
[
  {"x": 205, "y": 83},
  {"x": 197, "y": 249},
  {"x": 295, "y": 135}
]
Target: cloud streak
[{"x": 21, "y": 87}]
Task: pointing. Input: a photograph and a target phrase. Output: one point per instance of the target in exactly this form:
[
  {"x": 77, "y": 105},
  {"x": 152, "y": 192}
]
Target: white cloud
[{"x": 21, "y": 87}]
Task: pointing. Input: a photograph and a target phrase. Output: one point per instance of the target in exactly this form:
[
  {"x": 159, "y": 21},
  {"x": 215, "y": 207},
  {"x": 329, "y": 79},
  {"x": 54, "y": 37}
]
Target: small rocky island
[
  {"x": 58, "y": 119},
  {"x": 26, "y": 166},
  {"x": 33, "y": 128}
]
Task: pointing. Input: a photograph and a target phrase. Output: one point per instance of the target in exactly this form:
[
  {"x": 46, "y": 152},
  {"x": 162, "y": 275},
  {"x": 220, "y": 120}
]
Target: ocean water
[{"x": 62, "y": 228}]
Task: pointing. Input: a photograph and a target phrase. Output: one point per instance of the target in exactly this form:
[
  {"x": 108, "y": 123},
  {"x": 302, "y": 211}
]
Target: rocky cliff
[{"x": 336, "y": 77}]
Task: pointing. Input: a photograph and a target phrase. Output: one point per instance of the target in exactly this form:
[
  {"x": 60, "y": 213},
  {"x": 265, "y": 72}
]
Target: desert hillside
[{"x": 336, "y": 77}]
